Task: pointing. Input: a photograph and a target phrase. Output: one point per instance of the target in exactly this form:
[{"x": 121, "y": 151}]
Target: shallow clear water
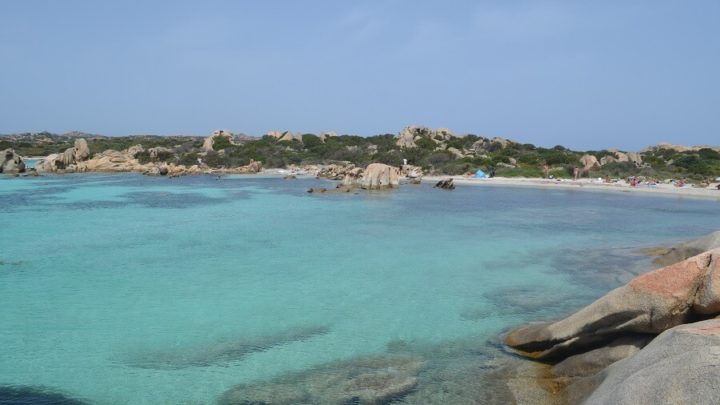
[{"x": 121, "y": 289}]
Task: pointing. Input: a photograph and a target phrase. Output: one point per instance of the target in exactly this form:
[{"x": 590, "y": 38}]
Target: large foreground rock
[
  {"x": 681, "y": 366},
  {"x": 379, "y": 176},
  {"x": 594, "y": 361},
  {"x": 650, "y": 303}
]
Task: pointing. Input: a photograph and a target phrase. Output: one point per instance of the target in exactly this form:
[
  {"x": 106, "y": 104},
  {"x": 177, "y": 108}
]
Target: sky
[{"x": 584, "y": 74}]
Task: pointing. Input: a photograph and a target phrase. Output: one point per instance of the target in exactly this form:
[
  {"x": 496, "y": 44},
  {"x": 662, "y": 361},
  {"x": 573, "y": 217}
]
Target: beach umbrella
[{"x": 480, "y": 174}]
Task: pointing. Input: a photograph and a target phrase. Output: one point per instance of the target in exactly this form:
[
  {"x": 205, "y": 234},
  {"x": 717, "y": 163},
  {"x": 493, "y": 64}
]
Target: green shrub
[{"x": 221, "y": 142}]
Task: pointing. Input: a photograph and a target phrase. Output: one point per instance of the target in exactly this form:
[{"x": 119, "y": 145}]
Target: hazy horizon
[
  {"x": 587, "y": 76},
  {"x": 544, "y": 145}
]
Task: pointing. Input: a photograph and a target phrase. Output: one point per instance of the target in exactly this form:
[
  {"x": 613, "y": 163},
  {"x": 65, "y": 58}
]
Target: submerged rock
[
  {"x": 669, "y": 255},
  {"x": 223, "y": 352},
  {"x": 372, "y": 380},
  {"x": 24, "y": 395}
]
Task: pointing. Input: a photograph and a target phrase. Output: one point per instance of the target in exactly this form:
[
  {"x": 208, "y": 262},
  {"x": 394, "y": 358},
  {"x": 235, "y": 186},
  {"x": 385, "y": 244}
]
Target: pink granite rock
[{"x": 650, "y": 303}]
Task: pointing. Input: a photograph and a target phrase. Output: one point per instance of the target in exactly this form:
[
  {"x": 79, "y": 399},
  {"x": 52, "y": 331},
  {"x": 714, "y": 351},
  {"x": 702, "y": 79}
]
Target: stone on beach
[{"x": 650, "y": 303}]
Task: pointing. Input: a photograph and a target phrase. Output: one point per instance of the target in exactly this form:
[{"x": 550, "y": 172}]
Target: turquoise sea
[{"x": 124, "y": 289}]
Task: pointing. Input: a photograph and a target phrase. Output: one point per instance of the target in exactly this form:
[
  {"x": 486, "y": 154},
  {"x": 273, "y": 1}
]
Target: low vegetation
[{"x": 435, "y": 152}]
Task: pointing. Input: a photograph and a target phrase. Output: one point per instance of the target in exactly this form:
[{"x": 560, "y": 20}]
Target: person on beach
[
  {"x": 576, "y": 172},
  {"x": 546, "y": 171}
]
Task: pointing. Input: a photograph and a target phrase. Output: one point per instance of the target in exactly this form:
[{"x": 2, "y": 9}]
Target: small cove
[{"x": 123, "y": 289}]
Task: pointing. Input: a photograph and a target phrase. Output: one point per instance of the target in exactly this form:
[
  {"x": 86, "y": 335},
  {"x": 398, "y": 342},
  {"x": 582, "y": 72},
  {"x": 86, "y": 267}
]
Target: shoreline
[
  {"x": 592, "y": 185},
  {"x": 583, "y": 185}
]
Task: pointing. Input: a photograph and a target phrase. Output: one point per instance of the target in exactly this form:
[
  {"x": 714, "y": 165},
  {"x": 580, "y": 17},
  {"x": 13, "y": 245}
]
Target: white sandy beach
[{"x": 586, "y": 185}]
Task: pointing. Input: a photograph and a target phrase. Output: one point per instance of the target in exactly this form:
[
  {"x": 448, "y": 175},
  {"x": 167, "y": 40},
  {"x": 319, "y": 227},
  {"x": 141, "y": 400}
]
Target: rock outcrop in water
[
  {"x": 373, "y": 380},
  {"x": 446, "y": 184},
  {"x": 378, "y": 176},
  {"x": 11, "y": 162},
  {"x": 612, "y": 331}
]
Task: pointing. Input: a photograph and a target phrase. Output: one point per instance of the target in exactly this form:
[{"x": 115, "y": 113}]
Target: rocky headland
[{"x": 655, "y": 340}]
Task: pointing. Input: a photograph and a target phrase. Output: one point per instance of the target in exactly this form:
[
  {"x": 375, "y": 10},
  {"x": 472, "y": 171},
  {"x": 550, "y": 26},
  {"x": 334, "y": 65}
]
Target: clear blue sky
[{"x": 585, "y": 74}]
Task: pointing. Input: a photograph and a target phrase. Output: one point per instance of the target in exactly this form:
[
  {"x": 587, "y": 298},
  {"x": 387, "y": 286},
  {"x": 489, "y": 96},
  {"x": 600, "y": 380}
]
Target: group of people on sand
[{"x": 633, "y": 181}]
